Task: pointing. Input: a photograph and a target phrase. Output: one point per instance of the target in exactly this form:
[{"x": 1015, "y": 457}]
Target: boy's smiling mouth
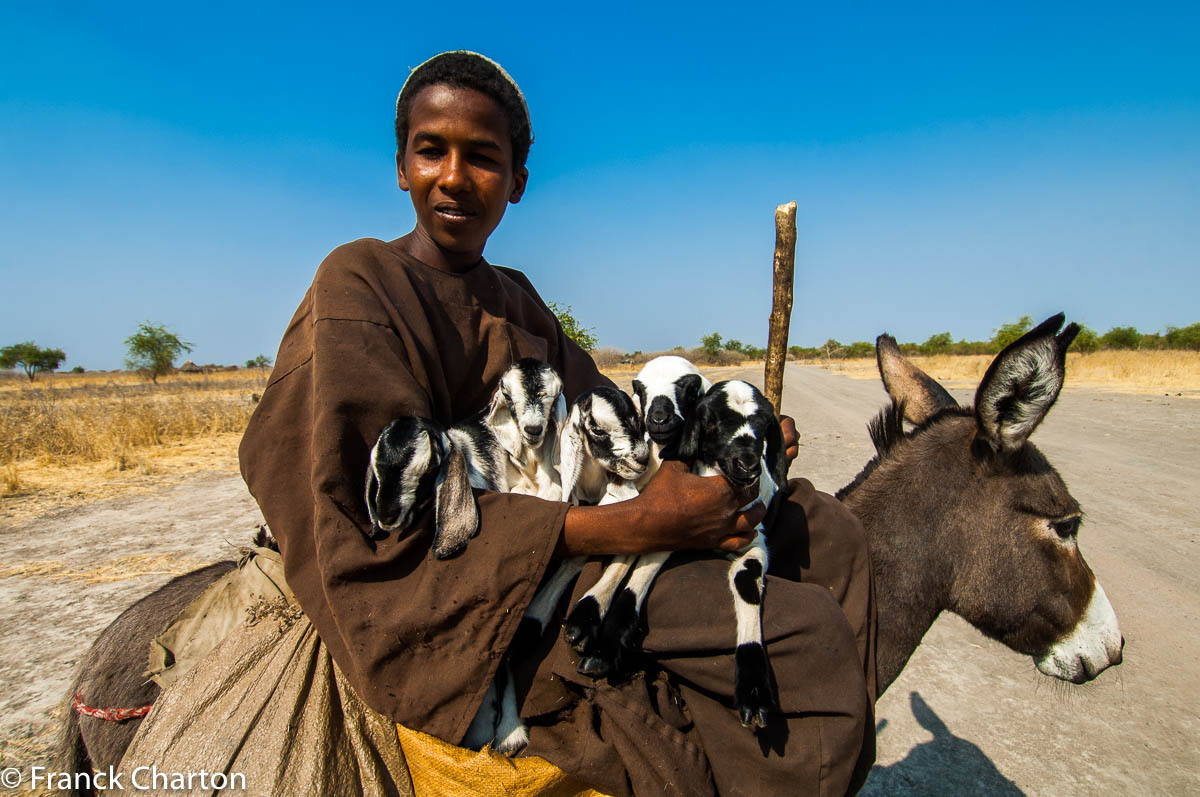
[{"x": 453, "y": 212}]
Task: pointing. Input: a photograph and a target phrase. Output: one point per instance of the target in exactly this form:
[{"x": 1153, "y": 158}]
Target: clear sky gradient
[{"x": 955, "y": 169}]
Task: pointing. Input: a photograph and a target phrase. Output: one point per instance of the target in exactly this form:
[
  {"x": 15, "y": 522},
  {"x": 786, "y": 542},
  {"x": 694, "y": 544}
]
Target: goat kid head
[
  {"x": 665, "y": 393},
  {"x": 603, "y": 427},
  {"x": 528, "y": 407},
  {"x": 734, "y": 429},
  {"x": 1013, "y": 526},
  {"x": 413, "y": 462}
]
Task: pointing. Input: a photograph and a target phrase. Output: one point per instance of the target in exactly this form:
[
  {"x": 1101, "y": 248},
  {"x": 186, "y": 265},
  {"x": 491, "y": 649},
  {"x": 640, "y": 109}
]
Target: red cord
[{"x": 110, "y": 714}]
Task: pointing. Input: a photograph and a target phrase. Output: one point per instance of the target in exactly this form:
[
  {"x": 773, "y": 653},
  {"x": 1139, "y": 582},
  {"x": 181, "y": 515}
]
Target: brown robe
[{"x": 381, "y": 334}]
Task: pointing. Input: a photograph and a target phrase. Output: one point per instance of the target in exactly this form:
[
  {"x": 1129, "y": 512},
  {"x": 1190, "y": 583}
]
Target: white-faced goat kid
[
  {"x": 511, "y": 445},
  {"x": 665, "y": 393},
  {"x": 413, "y": 461},
  {"x": 605, "y": 625},
  {"x": 734, "y": 433},
  {"x": 602, "y": 449}
]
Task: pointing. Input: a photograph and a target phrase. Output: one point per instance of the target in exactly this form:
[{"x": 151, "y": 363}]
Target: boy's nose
[{"x": 454, "y": 175}]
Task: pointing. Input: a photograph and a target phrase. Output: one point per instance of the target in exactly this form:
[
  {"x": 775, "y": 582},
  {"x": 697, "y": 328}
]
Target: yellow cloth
[{"x": 440, "y": 769}]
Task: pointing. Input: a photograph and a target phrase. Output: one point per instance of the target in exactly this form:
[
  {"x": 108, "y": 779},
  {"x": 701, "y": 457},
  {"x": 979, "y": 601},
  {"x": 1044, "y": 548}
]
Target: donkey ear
[
  {"x": 502, "y": 422},
  {"x": 571, "y": 453},
  {"x": 1022, "y": 383},
  {"x": 907, "y": 384},
  {"x": 457, "y": 515}
]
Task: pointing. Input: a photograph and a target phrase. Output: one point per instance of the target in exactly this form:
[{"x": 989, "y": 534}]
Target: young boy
[{"x": 424, "y": 326}]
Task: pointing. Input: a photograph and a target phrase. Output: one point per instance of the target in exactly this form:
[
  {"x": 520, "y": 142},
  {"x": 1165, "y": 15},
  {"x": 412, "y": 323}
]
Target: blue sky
[{"x": 956, "y": 166}]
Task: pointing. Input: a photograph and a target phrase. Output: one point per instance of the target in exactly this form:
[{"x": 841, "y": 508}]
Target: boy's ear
[
  {"x": 401, "y": 177},
  {"x": 520, "y": 178}
]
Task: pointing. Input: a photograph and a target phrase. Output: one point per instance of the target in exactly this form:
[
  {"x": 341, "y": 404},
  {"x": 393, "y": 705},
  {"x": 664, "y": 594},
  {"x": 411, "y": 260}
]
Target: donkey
[{"x": 962, "y": 514}]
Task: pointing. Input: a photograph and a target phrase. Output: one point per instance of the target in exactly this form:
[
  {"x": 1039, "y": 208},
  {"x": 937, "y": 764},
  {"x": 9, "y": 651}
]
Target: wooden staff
[{"x": 781, "y": 304}]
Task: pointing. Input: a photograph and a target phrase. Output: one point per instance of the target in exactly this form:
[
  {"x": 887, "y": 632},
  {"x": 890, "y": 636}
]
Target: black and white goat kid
[
  {"x": 413, "y": 461},
  {"x": 605, "y": 625},
  {"x": 734, "y": 433},
  {"x": 511, "y": 445},
  {"x": 602, "y": 449}
]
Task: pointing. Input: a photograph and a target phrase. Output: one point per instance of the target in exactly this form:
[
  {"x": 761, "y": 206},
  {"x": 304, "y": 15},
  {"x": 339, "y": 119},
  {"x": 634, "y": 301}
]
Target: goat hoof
[
  {"x": 582, "y": 624},
  {"x": 513, "y": 743},
  {"x": 753, "y": 685},
  {"x": 754, "y": 718},
  {"x": 595, "y": 666}
]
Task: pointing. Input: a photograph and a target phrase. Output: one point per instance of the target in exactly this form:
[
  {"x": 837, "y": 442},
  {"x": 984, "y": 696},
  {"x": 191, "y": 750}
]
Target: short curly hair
[{"x": 464, "y": 69}]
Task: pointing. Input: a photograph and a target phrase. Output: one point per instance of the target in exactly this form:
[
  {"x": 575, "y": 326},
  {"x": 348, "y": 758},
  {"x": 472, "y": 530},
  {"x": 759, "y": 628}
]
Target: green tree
[
  {"x": 1184, "y": 337},
  {"x": 735, "y": 345},
  {"x": 1086, "y": 342},
  {"x": 1121, "y": 338},
  {"x": 582, "y": 335},
  {"x": 937, "y": 344},
  {"x": 31, "y": 358},
  {"x": 860, "y": 348},
  {"x": 1007, "y": 333},
  {"x": 261, "y": 361},
  {"x": 153, "y": 349},
  {"x": 711, "y": 344},
  {"x": 831, "y": 348}
]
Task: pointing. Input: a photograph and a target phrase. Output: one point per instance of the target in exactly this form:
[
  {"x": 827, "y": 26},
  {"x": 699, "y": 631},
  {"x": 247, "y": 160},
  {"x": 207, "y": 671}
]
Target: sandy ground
[{"x": 966, "y": 717}]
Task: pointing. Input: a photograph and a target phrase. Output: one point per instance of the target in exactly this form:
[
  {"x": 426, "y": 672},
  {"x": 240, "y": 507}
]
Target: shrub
[{"x": 1121, "y": 338}]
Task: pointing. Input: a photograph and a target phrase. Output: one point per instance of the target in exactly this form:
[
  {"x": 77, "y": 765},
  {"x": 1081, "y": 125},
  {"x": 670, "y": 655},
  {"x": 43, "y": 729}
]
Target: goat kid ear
[
  {"x": 372, "y": 496},
  {"x": 639, "y": 398},
  {"x": 502, "y": 422},
  {"x": 688, "y": 449},
  {"x": 456, "y": 514},
  {"x": 691, "y": 388},
  {"x": 775, "y": 454},
  {"x": 571, "y": 452},
  {"x": 907, "y": 384},
  {"x": 1021, "y": 385}
]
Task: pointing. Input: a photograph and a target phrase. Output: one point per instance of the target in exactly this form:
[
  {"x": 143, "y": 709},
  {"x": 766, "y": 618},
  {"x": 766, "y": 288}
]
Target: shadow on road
[{"x": 945, "y": 765}]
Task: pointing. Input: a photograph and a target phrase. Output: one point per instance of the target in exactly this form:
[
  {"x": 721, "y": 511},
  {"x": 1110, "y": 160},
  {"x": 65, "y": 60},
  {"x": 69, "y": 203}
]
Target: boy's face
[{"x": 457, "y": 166}]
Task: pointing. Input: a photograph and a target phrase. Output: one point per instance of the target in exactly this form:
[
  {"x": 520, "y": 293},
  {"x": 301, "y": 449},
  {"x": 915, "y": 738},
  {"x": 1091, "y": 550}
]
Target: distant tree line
[
  {"x": 151, "y": 351},
  {"x": 1086, "y": 341}
]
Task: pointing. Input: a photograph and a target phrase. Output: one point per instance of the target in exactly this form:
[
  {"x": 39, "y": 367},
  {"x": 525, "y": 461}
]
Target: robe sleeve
[{"x": 418, "y": 638}]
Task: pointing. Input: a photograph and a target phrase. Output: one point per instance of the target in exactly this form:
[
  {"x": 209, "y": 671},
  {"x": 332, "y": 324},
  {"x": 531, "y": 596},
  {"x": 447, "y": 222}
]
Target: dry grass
[
  {"x": 125, "y": 567},
  {"x": 1127, "y": 371},
  {"x": 115, "y": 418}
]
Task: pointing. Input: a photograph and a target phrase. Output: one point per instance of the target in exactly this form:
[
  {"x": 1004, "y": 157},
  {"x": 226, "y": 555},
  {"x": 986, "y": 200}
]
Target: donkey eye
[{"x": 1066, "y": 529}]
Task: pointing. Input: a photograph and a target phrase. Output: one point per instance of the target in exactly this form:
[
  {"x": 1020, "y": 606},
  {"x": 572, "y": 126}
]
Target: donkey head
[{"x": 981, "y": 514}]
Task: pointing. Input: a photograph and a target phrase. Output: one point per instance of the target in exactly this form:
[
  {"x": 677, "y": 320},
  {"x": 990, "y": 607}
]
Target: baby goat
[
  {"x": 511, "y": 444},
  {"x": 734, "y": 433},
  {"x": 413, "y": 461},
  {"x": 605, "y": 624},
  {"x": 602, "y": 449}
]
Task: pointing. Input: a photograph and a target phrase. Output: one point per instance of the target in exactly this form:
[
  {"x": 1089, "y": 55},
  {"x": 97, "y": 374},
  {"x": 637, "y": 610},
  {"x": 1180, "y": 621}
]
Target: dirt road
[{"x": 966, "y": 717}]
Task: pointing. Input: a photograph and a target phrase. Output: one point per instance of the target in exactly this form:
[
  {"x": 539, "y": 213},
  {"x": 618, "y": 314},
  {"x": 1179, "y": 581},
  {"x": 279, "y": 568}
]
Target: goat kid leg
[
  {"x": 510, "y": 735},
  {"x": 754, "y": 692},
  {"x": 483, "y": 726},
  {"x": 584, "y": 625},
  {"x": 623, "y": 627}
]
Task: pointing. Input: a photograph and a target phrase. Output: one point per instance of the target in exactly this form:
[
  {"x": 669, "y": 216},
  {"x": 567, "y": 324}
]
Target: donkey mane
[{"x": 887, "y": 433}]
